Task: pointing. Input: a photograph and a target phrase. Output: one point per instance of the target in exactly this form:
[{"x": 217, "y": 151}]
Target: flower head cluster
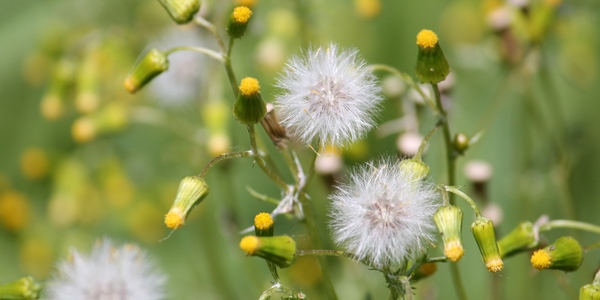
[
  {"x": 329, "y": 94},
  {"x": 383, "y": 214},
  {"x": 123, "y": 273}
]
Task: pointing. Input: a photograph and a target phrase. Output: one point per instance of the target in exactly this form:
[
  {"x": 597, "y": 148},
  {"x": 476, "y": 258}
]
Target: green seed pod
[
  {"x": 461, "y": 142},
  {"x": 417, "y": 168}
]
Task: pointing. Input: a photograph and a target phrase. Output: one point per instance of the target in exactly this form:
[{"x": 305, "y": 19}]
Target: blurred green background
[{"x": 81, "y": 159}]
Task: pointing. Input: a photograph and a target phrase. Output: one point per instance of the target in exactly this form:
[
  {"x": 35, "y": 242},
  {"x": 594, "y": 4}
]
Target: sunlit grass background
[{"x": 60, "y": 190}]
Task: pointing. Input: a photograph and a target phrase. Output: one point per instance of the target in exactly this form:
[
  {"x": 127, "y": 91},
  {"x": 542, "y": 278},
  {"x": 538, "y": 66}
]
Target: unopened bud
[
  {"x": 23, "y": 289},
  {"x": 280, "y": 250},
  {"x": 263, "y": 224},
  {"x": 415, "y": 167},
  {"x": 238, "y": 22},
  {"x": 152, "y": 65},
  {"x": 182, "y": 11},
  {"x": 483, "y": 231},
  {"x": 423, "y": 271},
  {"x": 564, "y": 254},
  {"x": 432, "y": 66},
  {"x": 192, "y": 190},
  {"x": 249, "y": 107},
  {"x": 448, "y": 220},
  {"x": 521, "y": 238},
  {"x": 461, "y": 142}
]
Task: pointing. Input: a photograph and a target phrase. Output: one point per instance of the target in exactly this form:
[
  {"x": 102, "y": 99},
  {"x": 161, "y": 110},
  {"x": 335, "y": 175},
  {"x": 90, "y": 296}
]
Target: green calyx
[
  {"x": 152, "y": 65},
  {"x": 483, "y": 232},
  {"x": 520, "y": 239},
  {"x": 182, "y": 11},
  {"x": 432, "y": 66}
]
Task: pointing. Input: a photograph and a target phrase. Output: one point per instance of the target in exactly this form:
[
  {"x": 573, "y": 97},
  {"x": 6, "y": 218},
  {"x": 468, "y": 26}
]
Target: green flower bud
[
  {"x": 564, "y": 254},
  {"x": 483, "y": 231},
  {"x": 461, "y": 142},
  {"x": 238, "y": 22},
  {"x": 521, "y": 238},
  {"x": 263, "y": 224},
  {"x": 423, "y": 271},
  {"x": 192, "y": 190},
  {"x": 590, "y": 292},
  {"x": 249, "y": 107},
  {"x": 280, "y": 250},
  {"x": 448, "y": 220},
  {"x": 23, "y": 289},
  {"x": 416, "y": 167},
  {"x": 182, "y": 11},
  {"x": 432, "y": 66},
  {"x": 153, "y": 64}
]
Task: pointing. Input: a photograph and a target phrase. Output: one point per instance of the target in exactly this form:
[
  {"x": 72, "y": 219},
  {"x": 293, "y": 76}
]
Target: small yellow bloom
[
  {"x": 14, "y": 210},
  {"x": 174, "y": 218},
  {"x": 249, "y": 244},
  {"x": 540, "y": 259},
  {"x": 249, "y": 86},
  {"x": 495, "y": 265},
  {"x": 427, "y": 39},
  {"x": 454, "y": 250},
  {"x": 241, "y": 14},
  {"x": 263, "y": 221},
  {"x": 34, "y": 163}
]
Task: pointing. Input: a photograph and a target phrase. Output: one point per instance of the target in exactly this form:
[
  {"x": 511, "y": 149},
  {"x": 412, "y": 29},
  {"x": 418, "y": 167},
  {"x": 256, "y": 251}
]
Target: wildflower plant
[{"x": 386, "y": 214}]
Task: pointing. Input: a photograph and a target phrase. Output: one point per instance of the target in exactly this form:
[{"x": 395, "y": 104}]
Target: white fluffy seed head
[
  {"x": 383, "y": 216},
  {"x": 329, "y": 94},
  {"x": 123, "y": 273}
]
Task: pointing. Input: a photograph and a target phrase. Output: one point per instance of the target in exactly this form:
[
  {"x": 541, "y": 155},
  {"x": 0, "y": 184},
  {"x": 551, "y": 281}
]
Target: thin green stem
[
  {"x": 409, "y": 81},
  {"x": 425, "y": 141},
  {"x": 450, "y": 161},
  {"x": 214, "y": 54},
  {"x": 208, "y": 25},
  {"x": 311, "y": 229},
  {"x": 262, "y": 197},
  {"x": 466, "y": 198},
  {"x": 450, "y": 157},
  {"x": 221, "y": 157},
  {"x": 261, "y": 162},
  {"x": 290, "y": 162},
  {"x": 437, "y": 259},
  {"x": 229, "y": 69},
  {"x": 570, "y": 224}
]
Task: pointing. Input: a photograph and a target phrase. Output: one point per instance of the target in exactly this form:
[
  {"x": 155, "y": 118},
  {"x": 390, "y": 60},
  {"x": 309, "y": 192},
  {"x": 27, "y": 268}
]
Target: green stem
[
  {"x": 208, "y": 25},
  {"x": 450, "y": 160},
  {"x": 409, "y": 81},
  {"x": 311, "y": 229},
  {"x": 216, "y": 55},
  {"x": 437, "y": 259},
  {"x": 221, "y": 157},
  {"x": 229, "y": 69},
  {"x": 570, "y": 224},
  {"x": 290, "y": 162},
  {"x": 261, "y": 162},
  {"x": 450, "y": 157},
  {"x": 425, "y": 141},
  {"x": 466, "y": 198}
]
